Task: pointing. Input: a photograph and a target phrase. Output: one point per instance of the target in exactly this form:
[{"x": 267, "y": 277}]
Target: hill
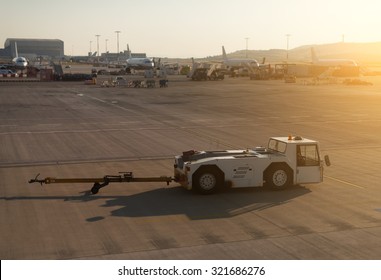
[{"x": 362, "y": 53}]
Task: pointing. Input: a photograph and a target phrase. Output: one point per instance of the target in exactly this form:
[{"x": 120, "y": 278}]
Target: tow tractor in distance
[{"x": 285, "y": 162}]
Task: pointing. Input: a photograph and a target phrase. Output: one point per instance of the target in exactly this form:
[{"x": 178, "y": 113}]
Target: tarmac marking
[
  {"x": 359, "y": 115},
  {"x": 8, "y": 125},
  {"x": 80, "y": 131},
  {"x": 95, "y": 98},
  {"x": 49, "y": 124},
  {"x": 345, "y": 182},
  {"x": 295, "y": 117},
  {"x": 129, "y": 122},
  {"x": 113, "y": 103},
  {"x": 331, "y": 116},
  {"x": 268, "y": 118}
]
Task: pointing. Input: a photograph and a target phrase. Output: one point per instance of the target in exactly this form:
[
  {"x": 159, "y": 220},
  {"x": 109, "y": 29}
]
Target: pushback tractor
[{"x": 286, "y": 161}]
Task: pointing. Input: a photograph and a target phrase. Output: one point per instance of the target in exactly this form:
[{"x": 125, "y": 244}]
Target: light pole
[
  {"x": 247, "y": 39},
  {"x": 97, "y": 44},
  {"x": 106, "y": 44},
  {"x": 288, "y": 39},
  {"x": 117, "y": 40}
]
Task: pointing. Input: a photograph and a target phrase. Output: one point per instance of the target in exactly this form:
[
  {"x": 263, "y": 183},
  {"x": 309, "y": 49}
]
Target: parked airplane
[
  {"x": 333, "y": 62},
  {"x": 238, "y": 62},
  {"x": 19, "y": 61},
  {"x": 139, "y": 63}
]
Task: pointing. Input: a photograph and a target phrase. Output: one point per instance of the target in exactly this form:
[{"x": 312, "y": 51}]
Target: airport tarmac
[{"x": 70, "y": 129}]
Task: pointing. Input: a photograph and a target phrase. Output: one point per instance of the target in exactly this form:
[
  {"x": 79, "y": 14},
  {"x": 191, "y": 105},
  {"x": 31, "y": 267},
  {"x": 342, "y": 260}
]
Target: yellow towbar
[{"x": 124, "y": 177}]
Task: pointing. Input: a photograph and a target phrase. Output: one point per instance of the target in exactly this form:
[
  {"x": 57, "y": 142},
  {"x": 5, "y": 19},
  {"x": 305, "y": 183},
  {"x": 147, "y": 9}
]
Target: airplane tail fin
[
  {"x": 264, "y": 60},
  {"x": 128, "y": 51},
  {"x": 313, "y": 55},
  {"x": 224, "y": 57},
  {"x": 156, "y": 63},
  {"x": 17, "y": 52}
]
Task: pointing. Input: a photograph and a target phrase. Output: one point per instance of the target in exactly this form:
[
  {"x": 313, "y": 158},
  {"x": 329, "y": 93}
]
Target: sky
[{"x": 192, "y": 28}]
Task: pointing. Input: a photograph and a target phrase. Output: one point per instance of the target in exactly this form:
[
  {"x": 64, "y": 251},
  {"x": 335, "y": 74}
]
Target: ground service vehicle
[{"x": 286, "y": 161}]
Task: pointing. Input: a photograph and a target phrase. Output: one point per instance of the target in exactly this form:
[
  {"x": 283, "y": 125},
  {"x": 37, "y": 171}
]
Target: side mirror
[{"x": 327, "y": 161}]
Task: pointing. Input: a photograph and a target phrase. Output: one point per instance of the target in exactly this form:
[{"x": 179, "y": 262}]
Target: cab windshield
[{"x": 277, "y": 146}]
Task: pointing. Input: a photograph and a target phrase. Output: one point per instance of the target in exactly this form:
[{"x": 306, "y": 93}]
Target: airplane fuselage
[
  {"x": 240, "y": 62},
  {"x": 20, "y": 62},
  {"x": 140, "y": 63},
  {"x": 335, "y": 62},
  {"x": 332, "y": 62}
]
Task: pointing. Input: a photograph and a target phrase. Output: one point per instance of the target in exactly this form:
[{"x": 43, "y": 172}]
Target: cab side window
[{"x": 307, "y": 155}]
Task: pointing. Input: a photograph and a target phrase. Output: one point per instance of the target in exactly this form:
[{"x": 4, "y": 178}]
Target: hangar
[{"x": 34, "y": 47}]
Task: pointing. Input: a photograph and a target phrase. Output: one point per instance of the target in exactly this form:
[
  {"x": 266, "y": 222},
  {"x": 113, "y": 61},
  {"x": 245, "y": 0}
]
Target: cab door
[{"x": 309, "y": 168}]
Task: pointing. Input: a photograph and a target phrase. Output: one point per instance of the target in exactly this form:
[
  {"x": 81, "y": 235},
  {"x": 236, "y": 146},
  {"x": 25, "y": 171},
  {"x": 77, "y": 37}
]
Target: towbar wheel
[{"x": 95, "y": 188}]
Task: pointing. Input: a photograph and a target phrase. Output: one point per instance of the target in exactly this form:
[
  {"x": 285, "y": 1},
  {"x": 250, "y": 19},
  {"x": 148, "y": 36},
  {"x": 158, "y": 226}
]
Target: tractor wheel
[
  {"x": 278, "y": 178},
  {"x": 207, "y": 180}
]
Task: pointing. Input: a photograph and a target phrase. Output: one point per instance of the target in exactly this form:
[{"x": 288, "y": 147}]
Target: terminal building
[
  {"x": 32, "y": 48},
  {"x": 122, "y": 56}
]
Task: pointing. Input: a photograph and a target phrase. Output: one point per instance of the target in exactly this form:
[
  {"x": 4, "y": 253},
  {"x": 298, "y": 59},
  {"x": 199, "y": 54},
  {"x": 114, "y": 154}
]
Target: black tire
[
  {"x": 95, "y": 188},
  {"x": 278, "y": 177},
  {"x": 207, "y": 180}
]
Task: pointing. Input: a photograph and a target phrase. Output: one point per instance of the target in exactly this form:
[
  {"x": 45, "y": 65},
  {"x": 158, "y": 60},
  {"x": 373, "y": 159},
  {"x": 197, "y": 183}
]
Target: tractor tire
[
  {"x": 207, "y": 179},
  {"x": 278, "y": 177}
]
